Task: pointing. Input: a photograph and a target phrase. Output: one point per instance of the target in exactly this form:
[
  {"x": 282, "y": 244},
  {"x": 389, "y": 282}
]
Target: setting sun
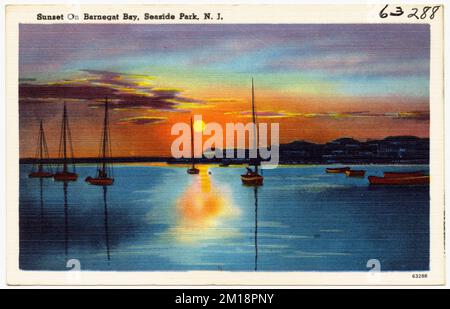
[{"x": 199, "y": 126}]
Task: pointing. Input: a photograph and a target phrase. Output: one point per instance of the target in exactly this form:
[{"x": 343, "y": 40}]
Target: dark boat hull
[
  {"x": 106, "y": 181},
  {"x": 65, "y": 176},
  {"x": 403, "y": 174},
  {"x": 40, "y": 175},
  {"x": 355, "y": 173},
  {"x": 252, "y": 180},
  {"x": 193, "y": 171},
  {"x": 400, "y": 181},
  {"x": 336, "y": 170}
]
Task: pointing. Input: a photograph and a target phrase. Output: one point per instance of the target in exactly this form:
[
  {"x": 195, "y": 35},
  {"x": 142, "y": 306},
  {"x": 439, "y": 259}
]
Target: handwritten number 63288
[{"x": 417, "y": 13}]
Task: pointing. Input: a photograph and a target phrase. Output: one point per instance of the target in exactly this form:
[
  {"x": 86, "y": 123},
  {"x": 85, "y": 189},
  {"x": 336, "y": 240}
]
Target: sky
[{"x": 319, "y": 82}]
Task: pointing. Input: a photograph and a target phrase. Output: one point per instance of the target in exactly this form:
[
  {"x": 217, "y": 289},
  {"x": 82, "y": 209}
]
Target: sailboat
[
  {"x": 41, "y": 154},
  {"x": 65, "y": 139},
  {"x": 192, "y": 170},
  {"x": 104, "y": 170},
  {"x": 252, "y": 177}
]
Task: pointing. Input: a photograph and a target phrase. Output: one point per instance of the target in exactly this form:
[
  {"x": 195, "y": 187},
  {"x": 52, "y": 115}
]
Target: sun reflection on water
[{"x": 202, "y": 211}]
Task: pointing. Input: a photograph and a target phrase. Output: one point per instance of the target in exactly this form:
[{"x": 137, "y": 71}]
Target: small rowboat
[
  {"x": 403, "y": 174},
  {"x": 355, "y": 173},
  {"x": 252, "y": 179},
  {"x": 400, "y": 181},
  {"x": 193, "y": 170},
  {"x": 336, "y": 170},
  {"x": 100, "y": 181}
]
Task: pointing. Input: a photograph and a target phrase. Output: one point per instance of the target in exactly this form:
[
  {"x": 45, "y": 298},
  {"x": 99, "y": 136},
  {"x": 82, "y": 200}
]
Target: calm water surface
[{"x": 160, "y": 218}]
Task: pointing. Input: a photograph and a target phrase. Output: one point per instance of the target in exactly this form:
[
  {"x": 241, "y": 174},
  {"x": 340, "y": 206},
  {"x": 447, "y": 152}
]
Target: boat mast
[
  {"x": 42, "y": 150},
  {"x": 64, "y": 139},
  {"x": 105, "y": 138},
  {"x": 41, "y": 154},
  {"x": 255, "y": 131},
  {"x": 192, "y": 145}
]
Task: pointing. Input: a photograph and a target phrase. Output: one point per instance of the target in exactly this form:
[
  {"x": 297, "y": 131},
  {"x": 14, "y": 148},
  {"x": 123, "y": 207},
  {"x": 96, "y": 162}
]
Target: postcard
[{"x": 248, "y": 145}]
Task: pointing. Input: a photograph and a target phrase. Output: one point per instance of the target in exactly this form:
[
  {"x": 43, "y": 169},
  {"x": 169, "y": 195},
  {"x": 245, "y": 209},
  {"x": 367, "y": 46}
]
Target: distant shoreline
[
  {"x": 172, "y": 161},
  {"x": 391, "y": 150}
]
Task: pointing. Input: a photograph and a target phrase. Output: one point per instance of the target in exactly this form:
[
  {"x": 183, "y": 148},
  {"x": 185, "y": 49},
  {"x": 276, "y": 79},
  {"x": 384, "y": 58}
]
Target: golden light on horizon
[{"x": 199, "y": 126}]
